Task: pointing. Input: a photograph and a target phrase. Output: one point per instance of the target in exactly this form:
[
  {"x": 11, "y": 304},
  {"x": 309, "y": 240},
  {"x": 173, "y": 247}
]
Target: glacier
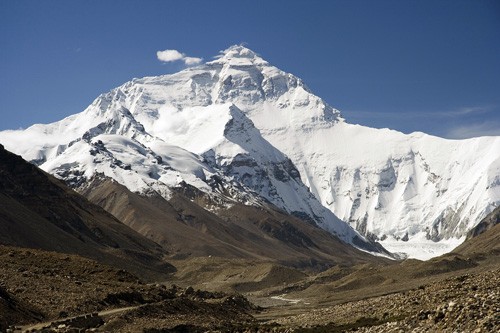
[{"x": 268, "y": 137}]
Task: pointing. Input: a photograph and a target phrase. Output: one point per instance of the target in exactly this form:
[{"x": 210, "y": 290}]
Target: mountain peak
[
  {"x": 244, "y": 109},
  {"x": 239, "y": 55}
]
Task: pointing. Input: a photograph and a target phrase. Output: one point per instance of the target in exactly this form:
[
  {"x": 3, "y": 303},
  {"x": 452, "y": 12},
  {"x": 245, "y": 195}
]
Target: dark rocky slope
[{"x": 39, "y": 211}]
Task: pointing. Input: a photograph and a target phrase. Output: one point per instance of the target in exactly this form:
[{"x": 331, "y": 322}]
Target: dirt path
[{"x": 101, "y": 314}]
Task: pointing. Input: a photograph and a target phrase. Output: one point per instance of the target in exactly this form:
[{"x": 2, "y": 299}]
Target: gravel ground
[
  {"x": 53, "y": 286},
  {"x": 466, "y": 303}
]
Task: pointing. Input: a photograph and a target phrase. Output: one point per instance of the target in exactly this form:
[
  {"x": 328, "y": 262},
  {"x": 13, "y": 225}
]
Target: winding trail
[{"x": 105, "y": 313}]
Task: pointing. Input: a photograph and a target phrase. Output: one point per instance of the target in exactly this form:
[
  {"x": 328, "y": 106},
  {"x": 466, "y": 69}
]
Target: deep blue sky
[{"x": 431, "y": 66}]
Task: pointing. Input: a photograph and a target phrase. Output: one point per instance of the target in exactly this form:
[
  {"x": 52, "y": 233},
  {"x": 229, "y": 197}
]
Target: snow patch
[{"x": 419, "y": 247}]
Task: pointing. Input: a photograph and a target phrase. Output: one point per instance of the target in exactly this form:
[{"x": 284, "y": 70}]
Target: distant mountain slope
[
  {"x": 491, "y": 220},
  {"x": 484, "y": 239},
  {"x": 261, "y": 134},
  {"x": 238, "y": 165},
  {"x": 262, "y": 233},
  {"x": 39, "y": 211}
]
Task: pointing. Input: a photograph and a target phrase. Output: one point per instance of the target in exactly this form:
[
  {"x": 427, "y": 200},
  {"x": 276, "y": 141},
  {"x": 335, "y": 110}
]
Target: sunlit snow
[{"x": 245, "y": 120}]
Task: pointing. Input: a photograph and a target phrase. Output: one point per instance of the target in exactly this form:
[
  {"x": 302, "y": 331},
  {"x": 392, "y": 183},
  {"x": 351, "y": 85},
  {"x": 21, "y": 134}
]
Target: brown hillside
[
  {"x": 245, "y": 232},
  {"x": 39, "y": 211}
]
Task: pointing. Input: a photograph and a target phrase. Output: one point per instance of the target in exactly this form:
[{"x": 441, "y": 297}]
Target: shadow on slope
[{"x": 39, "y": 211}]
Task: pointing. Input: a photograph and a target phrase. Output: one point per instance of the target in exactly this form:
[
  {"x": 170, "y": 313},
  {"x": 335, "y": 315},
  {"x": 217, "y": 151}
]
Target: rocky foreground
[
  {"x": 53, "y": 292},
  {"x": 465, "y": 303}
]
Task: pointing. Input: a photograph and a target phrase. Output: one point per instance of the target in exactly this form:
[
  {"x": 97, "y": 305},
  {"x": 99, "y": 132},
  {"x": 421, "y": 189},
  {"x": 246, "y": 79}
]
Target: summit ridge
[{"x": 238, "y": 52}]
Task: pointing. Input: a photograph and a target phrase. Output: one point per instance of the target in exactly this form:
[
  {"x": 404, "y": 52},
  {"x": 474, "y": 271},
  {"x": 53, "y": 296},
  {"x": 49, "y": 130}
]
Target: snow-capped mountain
[{"x": 263, "y": 135}]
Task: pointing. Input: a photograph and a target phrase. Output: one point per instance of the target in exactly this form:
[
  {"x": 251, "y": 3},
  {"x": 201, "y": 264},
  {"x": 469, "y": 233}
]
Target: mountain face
[
  {"x": 484, "y": 238},
  {"x": 259, "y": 233},
  {"x": 490, "y": 221},
  {"x": 39, "y": 211},
  {"x": 243, "y": 131}
]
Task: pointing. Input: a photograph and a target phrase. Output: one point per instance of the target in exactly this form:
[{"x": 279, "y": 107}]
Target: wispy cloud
[
  {"x": 463, "y": 111},
  {"x": 460, "y": 123},
  {"x": 473, "y": 130},
  {"x": 174, "y": 55},
  {"x": 468, "y": 110}
]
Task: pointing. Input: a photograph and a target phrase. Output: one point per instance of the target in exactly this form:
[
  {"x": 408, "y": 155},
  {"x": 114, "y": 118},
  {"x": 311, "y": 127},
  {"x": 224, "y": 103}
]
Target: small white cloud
[
  {"x": 174, "y": 55},
  {"x": 192, "y": 60},
  {"x": 169, "y": 55}
]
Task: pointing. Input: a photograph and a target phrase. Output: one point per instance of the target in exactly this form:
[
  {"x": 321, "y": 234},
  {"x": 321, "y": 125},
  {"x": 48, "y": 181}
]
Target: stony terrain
[
  {"x": 60, "y": 285},
  {"x": 194, "y": 311},
  {"x": 38, "y": 286},
  {"x": 465, "y": 303}
]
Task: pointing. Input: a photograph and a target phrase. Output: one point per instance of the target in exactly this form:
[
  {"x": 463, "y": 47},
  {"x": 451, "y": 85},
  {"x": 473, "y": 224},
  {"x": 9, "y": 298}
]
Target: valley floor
[
  {"x": 463, "y": 303},
  {"x": 70, "y": 293}
]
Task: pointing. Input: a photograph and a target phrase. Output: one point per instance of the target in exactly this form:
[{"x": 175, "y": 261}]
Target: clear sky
[{"x": 430, "y": 66}]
